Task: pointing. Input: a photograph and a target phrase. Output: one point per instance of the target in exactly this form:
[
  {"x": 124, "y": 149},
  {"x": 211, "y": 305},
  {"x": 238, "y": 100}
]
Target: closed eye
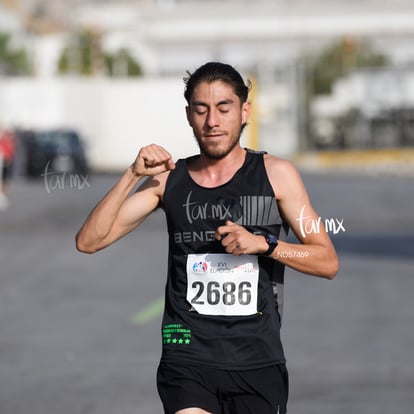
[
  {"x": 199, "y": 108},
  {"x": 225, "y": 106}
]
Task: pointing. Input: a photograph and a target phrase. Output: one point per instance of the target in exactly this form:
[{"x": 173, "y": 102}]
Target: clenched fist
[
  {"x": 237, "y": 240},
  {"x": 152, "y": 160}
]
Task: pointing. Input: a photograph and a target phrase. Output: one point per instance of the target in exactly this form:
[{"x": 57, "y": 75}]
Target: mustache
[{"x": 214, "y": 132}]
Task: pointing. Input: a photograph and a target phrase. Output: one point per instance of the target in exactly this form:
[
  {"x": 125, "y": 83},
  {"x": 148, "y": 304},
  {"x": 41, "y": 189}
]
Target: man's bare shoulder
[
  {"x": 282, "y": 173},
  {"x": 276, "y": 166}
]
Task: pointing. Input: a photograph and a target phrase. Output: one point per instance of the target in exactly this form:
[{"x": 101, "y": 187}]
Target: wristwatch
[{"x": 271, "y": 240}]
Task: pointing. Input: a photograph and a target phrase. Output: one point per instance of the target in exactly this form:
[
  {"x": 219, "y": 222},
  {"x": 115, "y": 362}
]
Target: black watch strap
[{"x": 272, "y": 241}]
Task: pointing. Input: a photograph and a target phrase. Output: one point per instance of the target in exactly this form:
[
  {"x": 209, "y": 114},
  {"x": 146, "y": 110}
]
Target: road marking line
[{"x": 150, "y": 312}]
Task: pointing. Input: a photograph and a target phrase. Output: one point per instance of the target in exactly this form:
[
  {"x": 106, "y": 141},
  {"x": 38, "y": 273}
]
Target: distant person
[
  {"x": 7, "y": 155},
  {"x": 228, "y": 210}
]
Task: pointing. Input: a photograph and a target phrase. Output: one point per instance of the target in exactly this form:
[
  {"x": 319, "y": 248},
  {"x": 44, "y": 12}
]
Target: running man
[{"x": 228, "y": 211}]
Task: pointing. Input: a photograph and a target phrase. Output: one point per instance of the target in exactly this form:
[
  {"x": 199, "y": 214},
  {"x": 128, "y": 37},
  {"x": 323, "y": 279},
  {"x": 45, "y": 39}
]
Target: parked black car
[{"x": 57, "y": 150}]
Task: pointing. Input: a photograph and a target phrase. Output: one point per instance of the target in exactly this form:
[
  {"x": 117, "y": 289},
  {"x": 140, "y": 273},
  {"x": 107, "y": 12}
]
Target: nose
[{"x": 212, "y": 118}]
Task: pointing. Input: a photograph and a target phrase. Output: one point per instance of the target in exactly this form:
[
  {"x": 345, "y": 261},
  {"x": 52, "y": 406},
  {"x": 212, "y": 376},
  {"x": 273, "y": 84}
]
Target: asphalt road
[{"x": 81, "y": 333}]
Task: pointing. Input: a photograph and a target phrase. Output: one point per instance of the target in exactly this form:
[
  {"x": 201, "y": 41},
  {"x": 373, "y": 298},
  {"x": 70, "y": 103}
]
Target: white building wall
[
  {"x": 115, "y": 118},
  {"x": 369, "y": 91}
]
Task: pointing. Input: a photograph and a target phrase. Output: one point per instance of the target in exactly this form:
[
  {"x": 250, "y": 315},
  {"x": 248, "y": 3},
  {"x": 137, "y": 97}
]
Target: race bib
[{"x": 222, "y": 284}]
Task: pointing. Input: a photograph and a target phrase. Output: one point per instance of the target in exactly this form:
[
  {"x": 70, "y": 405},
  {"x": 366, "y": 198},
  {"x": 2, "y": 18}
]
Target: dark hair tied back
[{"x": 216, "y": 71}]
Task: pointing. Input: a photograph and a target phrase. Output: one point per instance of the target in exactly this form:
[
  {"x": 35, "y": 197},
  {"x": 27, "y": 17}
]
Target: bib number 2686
[
  {"x": 221, "y": 284},
  {"x": 228, "y": 292}
]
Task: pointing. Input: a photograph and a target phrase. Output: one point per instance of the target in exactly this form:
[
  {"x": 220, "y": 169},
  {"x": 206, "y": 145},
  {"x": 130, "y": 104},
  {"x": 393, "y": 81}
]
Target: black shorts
[{"x": 263, "y": 391}]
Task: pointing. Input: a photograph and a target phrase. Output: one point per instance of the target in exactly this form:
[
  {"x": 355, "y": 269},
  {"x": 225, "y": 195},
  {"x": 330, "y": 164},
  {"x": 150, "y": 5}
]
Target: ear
[
  {"x": 188, "y": 114},
  {"x": 245, "y": 112}
]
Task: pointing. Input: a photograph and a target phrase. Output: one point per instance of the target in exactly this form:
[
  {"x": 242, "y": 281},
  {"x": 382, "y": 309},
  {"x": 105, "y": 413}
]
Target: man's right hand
[{"x": 152, "y": 160}]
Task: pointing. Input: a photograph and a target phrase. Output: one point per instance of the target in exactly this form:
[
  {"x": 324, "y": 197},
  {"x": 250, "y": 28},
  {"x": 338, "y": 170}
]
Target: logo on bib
[{"x": 200, "y": 268}]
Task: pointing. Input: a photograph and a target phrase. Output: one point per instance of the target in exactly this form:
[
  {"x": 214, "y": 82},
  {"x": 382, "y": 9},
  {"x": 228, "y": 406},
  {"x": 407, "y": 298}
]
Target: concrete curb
[{"x": 389, "y": 161}]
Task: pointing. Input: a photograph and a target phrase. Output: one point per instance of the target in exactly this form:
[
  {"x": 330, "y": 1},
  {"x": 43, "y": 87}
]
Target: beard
[{"x": 216, "y": 151}]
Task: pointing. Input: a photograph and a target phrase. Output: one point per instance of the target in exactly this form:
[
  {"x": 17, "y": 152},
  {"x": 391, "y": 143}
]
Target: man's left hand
[{"x": 237, "y": 240}]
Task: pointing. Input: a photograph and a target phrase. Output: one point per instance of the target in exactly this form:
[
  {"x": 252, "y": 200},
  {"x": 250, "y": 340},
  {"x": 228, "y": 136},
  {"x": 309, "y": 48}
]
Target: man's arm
[
  {"x": 118, "y": 213},
  {"x": 315, "y": 254}
]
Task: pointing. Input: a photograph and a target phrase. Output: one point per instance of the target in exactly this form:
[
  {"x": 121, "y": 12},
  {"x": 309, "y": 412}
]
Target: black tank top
[{"x": 221, "y": 311}]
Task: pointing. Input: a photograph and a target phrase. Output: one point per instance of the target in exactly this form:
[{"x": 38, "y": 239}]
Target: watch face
[
  {"x": 272, "y": 242},
  {"x": 271, "y": 239}
]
